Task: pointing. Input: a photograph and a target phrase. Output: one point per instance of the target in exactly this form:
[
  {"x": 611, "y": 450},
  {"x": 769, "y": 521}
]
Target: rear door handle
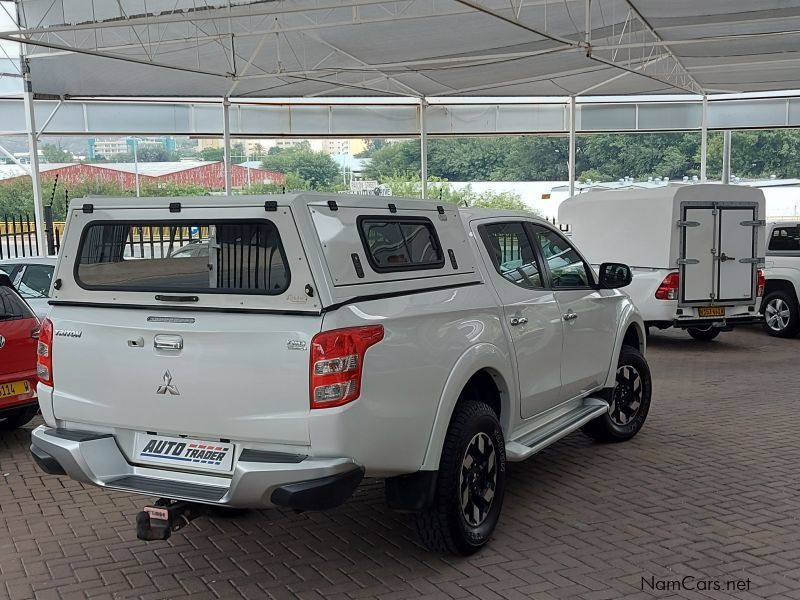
[
  {"x": 168, "y": 342},
  {"x": 518, "y": 321},
  {"x": 570, "y": 315}
]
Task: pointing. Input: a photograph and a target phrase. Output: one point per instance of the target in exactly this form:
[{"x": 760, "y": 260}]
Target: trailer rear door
[{"x": 718, "y": 253}]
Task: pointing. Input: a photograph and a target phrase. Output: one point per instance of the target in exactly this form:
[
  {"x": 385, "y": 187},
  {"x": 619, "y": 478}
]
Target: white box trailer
[{"x": 695, "y": 250}]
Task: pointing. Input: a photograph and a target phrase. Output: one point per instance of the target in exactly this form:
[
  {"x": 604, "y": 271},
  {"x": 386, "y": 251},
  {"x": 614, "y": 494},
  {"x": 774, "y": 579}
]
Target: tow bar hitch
[{"x": 157, "y": 522}]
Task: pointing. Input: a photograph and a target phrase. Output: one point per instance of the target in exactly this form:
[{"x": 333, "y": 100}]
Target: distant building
[
  {"x": 207, "y": 174},
  {"x": 112, "y": 148},
  {"x": 337, "y": 147}
]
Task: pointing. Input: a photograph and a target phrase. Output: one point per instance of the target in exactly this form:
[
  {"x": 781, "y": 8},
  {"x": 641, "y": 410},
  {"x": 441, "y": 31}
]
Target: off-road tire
[
  {"x": 18, "y": 418},
  {"x": 608, "y": 427},
  {"x": 443, "y": 527},
  {"x": 703, "y": 335},
  {"x": 784, "y": 303}
]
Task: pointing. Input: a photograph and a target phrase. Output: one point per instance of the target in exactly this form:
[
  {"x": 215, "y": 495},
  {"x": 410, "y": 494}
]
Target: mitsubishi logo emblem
[{"x": 167, "y": 387}]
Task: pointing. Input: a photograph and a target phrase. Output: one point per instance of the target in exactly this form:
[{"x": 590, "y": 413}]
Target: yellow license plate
[
  {"x": 711, "y": 311},
  {"x": 15, "y": 388}
]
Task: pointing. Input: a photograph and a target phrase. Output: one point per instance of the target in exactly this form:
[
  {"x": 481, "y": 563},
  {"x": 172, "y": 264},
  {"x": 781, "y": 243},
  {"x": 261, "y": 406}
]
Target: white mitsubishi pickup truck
[{"x": 262, "y": 351}]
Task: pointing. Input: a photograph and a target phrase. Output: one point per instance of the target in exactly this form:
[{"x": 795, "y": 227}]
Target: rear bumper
[
  {"x": 725, "y": 323},
  {"x": 263, "y": 480}
]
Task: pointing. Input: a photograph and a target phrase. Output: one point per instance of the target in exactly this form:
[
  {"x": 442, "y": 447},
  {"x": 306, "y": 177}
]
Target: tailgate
[
  {"x": 192, "y": 319},
  {"x": 209, "y": 375}
]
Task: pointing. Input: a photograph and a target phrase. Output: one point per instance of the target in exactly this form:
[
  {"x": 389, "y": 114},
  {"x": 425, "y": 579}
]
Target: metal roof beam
[
  {"x": 675, "y": 73},
  {"x": 515, "y": 21}
]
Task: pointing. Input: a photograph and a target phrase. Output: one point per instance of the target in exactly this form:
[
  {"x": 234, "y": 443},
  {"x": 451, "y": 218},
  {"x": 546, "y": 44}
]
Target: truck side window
[
  {"x": 567, "y": 269},
  {"x": 512, "y": 254},
  {"x": 400, "y": 243},
  {"x": 784, "y": 239}
]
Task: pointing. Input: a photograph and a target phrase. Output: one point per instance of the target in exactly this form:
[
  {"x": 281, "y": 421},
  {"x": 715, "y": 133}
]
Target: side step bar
[{"x": 539, "y": 439}]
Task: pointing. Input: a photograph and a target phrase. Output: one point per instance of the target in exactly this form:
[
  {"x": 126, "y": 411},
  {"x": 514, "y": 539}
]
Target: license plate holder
[
  {"x": 711, "y": 311},
  {"x": 15, "y": 388},
  {"x": 183, "y": 453}
]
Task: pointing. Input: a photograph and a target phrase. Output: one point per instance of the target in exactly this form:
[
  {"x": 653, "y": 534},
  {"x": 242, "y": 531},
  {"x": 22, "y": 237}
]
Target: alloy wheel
[
  {"x": 627, "y": 397},
  {"x": 478, "y": 479},
  {"x": 777, "y": 314}
]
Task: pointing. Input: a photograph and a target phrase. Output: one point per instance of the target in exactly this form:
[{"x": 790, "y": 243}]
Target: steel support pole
[
  {"x": 136, "y": 164},
  {"x": 726, "y": 156},
  {"x": 571, "y": 157},
  {"x": 704, "y": 142},
  {"x": 33, "y": 148},
  {"x": 226, "y": 140},
  {"x": 423, "y": 148}
]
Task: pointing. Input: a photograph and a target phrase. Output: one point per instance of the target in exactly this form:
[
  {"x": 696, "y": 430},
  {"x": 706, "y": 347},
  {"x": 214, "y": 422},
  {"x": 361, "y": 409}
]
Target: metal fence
[{"x": 18, "y": 237}]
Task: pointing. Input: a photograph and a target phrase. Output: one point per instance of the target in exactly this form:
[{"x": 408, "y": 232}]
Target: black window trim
[
  {"x": 544, "y": 274},
  {"x": 530, "y": 226},
  {"x": 177, "y": 222},
  {"x": 399, "y": 219}
]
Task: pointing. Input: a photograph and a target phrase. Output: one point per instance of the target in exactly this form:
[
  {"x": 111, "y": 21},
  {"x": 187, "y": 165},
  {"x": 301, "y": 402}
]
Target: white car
[
  {"x": 782, "y": 275},
  {"x": 694, "y": 250},
  {"x": 32, "y": 277},
  {"x": 321, "y": 339}
]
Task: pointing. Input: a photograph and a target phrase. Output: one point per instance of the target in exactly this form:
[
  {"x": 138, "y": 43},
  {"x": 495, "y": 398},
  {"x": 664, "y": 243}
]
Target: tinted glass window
[
  {"x": 400, "y": 244},
  {"x": 241, "y": 257},
  {"x": 567, "y": 269},
  {"x": 785, "y": 239},
  {"x": 512, "y": 254},
  {"x": 12, "y": 306},
  {"x": 35, "y": 281}
]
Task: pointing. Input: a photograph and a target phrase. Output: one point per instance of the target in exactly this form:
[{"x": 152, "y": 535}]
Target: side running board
[{"x": 553, "y": 431}]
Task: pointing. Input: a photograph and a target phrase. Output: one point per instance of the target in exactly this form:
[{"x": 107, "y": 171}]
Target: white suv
[
  {"x": 321, "y": 339},
  {"x": 782, "y": 279}
]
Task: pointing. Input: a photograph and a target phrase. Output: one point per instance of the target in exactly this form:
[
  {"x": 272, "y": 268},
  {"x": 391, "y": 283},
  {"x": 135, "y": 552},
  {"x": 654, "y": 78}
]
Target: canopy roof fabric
[{"x": 424, "y": 48}]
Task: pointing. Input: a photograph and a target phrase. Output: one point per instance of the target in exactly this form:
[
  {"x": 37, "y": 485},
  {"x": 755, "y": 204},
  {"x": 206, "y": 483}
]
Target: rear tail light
[
  {"x": 44, "y": 354},
  {"x": 760, "y": 284},
  {"x": 668, "y": 290},
  {"x": 337, "y": 361}
]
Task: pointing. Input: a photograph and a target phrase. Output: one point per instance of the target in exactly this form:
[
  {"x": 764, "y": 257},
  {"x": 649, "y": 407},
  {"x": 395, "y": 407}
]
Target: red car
[{"x": 19, "y": 334}]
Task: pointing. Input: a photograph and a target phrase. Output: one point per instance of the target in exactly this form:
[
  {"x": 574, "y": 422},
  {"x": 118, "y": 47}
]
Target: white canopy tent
[
  {"x": 301, "y": 48},
  {"x": 423, "y": 49}
]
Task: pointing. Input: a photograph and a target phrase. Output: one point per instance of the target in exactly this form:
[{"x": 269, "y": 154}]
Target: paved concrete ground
[{"x": 709, "y": 489}]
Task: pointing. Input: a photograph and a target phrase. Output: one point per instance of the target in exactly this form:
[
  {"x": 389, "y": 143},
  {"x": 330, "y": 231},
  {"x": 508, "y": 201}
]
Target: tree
[
  {"x": 316, "y": 168},
  {"x": 214, "y": 154},
  {"x": 443, "y": 191},
  {"x": 56, "y": 154},
  {"x": 373, "y": 145}
]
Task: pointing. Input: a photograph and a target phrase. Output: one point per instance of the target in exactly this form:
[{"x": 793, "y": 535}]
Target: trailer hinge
[
  {"x": 756, "y": 260},
  {"x": 392, "y": 208},
  {"x": 332, "y": 205},
  {"x": 688, "y": 224},
  {"x": 174, "y": 207},
  {"x": 688, "y": 261},
  {"x": 271, "y": 205},
  {"x": 88, "y": 208},
  {"x": 756, "y": 223}
]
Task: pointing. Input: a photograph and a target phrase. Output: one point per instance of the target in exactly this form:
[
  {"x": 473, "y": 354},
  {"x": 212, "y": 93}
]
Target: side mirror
[
  {"x": 5, "y": 280},
  {"x": 614, "y": 275}
]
